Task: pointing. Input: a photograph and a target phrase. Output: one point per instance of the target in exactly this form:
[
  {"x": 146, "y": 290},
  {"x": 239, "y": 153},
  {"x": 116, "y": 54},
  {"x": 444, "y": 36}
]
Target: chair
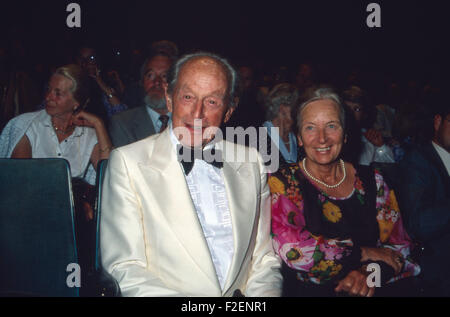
[
  {"x": 37, "y": 233},
  {"x": 107, "y": 286}
]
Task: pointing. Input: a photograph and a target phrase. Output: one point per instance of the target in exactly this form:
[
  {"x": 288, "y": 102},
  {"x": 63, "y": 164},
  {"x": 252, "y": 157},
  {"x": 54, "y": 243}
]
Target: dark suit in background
[
  {"x": 130, "y": 126},
  {"x": 425, "y": 201}
]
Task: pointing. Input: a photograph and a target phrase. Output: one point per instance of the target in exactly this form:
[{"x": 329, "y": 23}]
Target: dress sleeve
[
  {"x": 316, "y": 258},
  {"x": 392, "y": 232}
]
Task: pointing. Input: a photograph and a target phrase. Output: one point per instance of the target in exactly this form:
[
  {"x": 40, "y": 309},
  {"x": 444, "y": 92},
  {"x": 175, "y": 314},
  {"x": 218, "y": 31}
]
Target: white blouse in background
[{"x": 76, "y": 149}]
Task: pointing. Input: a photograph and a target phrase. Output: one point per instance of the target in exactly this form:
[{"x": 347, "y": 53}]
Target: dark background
[{"x": 412, "y": 41}]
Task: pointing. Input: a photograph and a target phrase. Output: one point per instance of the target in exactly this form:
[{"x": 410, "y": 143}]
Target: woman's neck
[
  {"x": 284, "y": 133},
  {"x": 329, "y": 173},
  {"x": 62, "y": 122}
]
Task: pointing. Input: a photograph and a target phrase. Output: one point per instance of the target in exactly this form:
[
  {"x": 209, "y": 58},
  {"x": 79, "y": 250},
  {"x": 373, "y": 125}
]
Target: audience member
[
  {"x": 64, "y": 130},
  {"x": 331, "y": 219},
  {"x": 190, "y": 228},
  {"x": 373, "y": 147},
  {"x": 281, "y": 104},
  {"x": 104, "y": 100},
  {"x": 425, "y": 197},
  {"x": 138, "y": 123}
]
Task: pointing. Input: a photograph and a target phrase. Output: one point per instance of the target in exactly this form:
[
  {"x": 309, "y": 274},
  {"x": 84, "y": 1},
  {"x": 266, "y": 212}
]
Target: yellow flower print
[
  {"x": 332, "y": 212},
  {"x": 386, "y": 227},
  {"x": 393, "y": 199},
  {"x": 276, "y": 186},
  {"x": 335, "y": 269}
]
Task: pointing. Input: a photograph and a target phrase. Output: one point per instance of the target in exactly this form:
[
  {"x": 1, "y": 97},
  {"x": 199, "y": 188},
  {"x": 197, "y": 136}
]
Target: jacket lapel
[
  {"x": 242, "y": 203},
  {"x": 165, "y": 171},
  {"x": 436, "y": 160}
]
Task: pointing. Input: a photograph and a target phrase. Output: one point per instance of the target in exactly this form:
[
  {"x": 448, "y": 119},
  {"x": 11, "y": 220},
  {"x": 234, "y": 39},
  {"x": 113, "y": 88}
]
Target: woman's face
[
  {"x": 286, "y": 117},
  {"x": 59, "y": 99},
  {"x": 321, "y": 135}
]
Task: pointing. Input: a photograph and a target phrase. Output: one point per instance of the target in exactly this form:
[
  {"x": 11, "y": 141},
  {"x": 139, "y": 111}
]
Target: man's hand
[
  {"x": 355, "y": 284},
  {"x": 374, "y": 137}
]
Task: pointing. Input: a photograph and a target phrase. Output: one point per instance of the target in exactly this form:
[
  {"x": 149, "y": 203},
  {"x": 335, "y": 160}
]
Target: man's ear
[
  {"x": 228, "y": 114},
  {"x": 231, "y": 110},
  {"x": 169, "y": 104},
  {"x": 437, "y": 122}
]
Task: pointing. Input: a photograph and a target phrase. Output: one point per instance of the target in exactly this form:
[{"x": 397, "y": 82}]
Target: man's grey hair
[
  {"x": 282, "y": 94},
  {"x": 230, "y": 72},
  {"x": 143, "y": 69},
  {"x": 321, "y": 93}
]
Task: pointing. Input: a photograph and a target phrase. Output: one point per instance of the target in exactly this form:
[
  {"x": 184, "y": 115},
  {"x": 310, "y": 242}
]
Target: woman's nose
[{"x": 322, "y": 136}]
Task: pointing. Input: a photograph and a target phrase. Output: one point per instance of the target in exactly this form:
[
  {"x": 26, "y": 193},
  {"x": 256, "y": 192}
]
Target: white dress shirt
[
  {"x": 371, "y": 153},
  {"x": 444, "y": 155},
  {"x": 154, "y": 116},
  {"x": 207, "y": 188},
  {"x": 77, "y": 148}
]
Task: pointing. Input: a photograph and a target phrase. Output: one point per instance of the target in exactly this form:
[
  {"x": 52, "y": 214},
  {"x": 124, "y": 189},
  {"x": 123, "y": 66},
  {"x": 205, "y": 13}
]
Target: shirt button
[
  {"x": 59, "y": 154},
  {"x": 65, "y": 141}
]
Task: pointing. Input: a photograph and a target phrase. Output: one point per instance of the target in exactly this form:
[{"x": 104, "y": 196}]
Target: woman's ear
[{"x": 299, "y": 140}]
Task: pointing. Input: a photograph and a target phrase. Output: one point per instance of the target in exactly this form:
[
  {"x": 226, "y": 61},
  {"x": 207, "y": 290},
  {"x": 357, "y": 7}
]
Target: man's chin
[{"x": 156, "y": 102}]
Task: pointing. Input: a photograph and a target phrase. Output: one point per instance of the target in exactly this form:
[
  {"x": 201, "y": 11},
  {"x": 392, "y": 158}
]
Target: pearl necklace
[{"x": 323, "y": 183}]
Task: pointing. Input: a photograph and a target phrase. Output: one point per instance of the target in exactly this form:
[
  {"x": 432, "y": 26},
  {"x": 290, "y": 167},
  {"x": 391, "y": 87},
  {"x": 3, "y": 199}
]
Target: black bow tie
[{"x": 187, "y": 157}]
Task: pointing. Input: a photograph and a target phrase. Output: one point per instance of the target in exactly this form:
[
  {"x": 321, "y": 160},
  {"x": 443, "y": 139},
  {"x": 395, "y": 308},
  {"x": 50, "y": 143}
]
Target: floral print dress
[{"x": 319, "y": 237}]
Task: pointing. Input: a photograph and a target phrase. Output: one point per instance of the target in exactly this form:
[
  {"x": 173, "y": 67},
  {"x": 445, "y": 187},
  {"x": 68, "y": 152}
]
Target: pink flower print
[{"x": 299, "y": 255}]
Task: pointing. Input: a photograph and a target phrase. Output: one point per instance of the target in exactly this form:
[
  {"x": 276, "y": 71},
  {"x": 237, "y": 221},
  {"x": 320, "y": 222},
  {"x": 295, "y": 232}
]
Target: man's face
[
  {"x": 155, "y": 76},
  {"x": 442, "y": 131},
  {"x": 357, "y": 110},
  {"x": 87, "y": 59},
  {"x": 198, "y": 103}
]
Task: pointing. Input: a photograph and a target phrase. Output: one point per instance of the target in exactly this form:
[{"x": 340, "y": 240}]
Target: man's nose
[
  {"x": 158, "y": 81},
  {"x": 198, "y": 110}
]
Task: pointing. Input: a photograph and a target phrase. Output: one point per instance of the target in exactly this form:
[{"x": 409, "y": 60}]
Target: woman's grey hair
[
  {"x": 282, "y": 94},
  {"x": 230, "y": 72},
  {"x": 320, "y": 93},
  {"x": 80, "y": 84}
]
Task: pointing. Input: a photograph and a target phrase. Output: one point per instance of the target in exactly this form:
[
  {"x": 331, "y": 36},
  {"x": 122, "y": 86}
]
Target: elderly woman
[
  {"x": 331, "y": 219},
  {"x": 280, "y": 102},
  {"x": 62, "y": 129}
]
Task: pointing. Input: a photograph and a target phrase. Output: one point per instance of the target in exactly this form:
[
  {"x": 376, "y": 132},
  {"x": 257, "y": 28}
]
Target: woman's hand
[
  {"x": 86, "y": 119},
  {"x": 355, "y": 284},
  {"x": 388, "y": 256}
]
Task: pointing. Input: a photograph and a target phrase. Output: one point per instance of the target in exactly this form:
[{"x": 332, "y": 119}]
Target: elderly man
[
  {"x": 138, "y": 123},
  {"x": 425, "y": 198},
  {"x": 194, "y": 227}
]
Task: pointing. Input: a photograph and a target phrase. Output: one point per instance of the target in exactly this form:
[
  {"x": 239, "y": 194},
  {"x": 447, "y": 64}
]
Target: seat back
[
  {"x": 37, "y": 233},
  {"x": 101, "y": 169}
]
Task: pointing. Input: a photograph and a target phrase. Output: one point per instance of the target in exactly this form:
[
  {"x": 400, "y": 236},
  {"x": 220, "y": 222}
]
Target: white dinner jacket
[{"x": 152, "y": 241}]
